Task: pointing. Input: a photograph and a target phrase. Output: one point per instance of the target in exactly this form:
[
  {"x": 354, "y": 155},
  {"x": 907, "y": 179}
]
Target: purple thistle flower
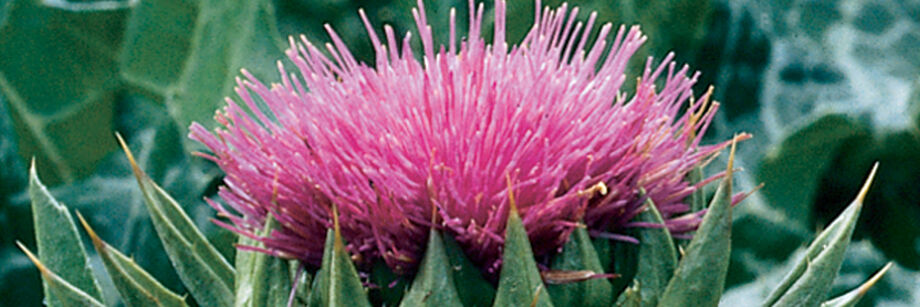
[{"x": 456, "y": 132}]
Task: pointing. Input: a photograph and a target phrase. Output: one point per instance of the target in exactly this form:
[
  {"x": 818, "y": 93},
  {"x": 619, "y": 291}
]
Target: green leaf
[
  {"x": 134, "y": 284},
  {"x": 124, "y": 218},
  {"x": 124, "y": 221},
  {"x": 863, "y": 260},
  {"x": 337, "y": 283},
  {"x": 201, "y": 267},
  {"x": 64, "y": 293},
  {"x": 792, "y": 171},
  {"x": 782, "y": 94},
  {"x": 319, "y": 291},
  {"x": 434, "y": 284},
  {"x": 631, "y": 297},
  {"x": 625, "y": 261},
  {"x": 850, "y": 299},
  {"x": 896, "y": 153},
  {"x": 59, "y": 77},
  {"x": 477, "y": 291},
  {"x": 389, "y": 287},
  {"x": 698, "y": 198},
  {"x": 261, "y": 280},
  {"x": 657, "y": 255},
  {"x": 700, "y": 276},
  {"x": 578, "y": 256},
  {"x": 59, "y": 245},
  {"x": 228, "y": 36},
  {"x": 810, "y": 280},
  {"x": 603, "y": 250},
  {"x": 157, "y": 43},
  {"x": 519, "y": 283},
  {"x": 302, "y": 280}
]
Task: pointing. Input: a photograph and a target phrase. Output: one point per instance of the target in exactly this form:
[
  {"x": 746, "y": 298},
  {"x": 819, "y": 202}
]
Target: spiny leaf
[
  {"x": 477, "y": 291},
  {"x": 203, "y": 270},
  {"x": 59, "y": 245},
  {"x": 319, "y": 291},
  {"x": 700, "y": 276},
  {"x": 657, "y": 255},
  {"x": 578, "y": 255},
  {"x": 851, "y": 298},
  {"x": 434, "y": 284},
  {"x": 337, "y": 282},
  {"x": 261, "y": 280},
  {"x": 519, "y": 282},
  {"x": 810, "y": 280},
  {"x": 64, "y": 293},
  {"x": 134, "y": 284}
]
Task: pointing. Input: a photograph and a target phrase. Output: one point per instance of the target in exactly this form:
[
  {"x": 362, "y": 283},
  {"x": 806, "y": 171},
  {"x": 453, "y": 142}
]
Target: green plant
[
  {"x": 532, "y": 271},
  {"x": 445, "y": 277}
]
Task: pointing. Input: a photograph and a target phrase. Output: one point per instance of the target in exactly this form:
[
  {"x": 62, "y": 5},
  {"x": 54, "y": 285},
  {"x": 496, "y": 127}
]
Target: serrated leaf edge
[
  {"x": 114, "y": 261},
  {"x": 819, "y": 247},
  {"x": 60, "y": 287},
  {"x": 188, "y": 250},
  {"x": 853, "y": 297}
]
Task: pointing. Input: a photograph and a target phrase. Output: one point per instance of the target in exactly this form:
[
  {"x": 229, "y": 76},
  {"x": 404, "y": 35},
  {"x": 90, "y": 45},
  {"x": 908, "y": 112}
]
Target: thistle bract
[{"x": 459, "y": 132}]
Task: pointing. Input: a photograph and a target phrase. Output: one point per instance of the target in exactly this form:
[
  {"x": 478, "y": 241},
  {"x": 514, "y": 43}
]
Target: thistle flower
[{"x": 459, "y": 132}]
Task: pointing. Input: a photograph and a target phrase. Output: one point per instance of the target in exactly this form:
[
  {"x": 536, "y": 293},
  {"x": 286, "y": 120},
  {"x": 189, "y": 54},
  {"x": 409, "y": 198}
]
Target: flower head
[{"x": 457, "y": 130}]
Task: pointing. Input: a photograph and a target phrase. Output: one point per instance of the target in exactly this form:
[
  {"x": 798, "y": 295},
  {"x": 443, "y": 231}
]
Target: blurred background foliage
[{"x": 826, "y": 87}]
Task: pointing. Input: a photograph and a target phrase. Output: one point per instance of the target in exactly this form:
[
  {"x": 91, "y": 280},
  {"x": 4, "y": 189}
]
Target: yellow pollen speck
[{"x": 599, "y": 188}]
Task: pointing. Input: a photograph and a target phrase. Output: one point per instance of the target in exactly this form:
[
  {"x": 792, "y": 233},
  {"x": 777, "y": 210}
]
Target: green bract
[{"x": 445, "y": 278}]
